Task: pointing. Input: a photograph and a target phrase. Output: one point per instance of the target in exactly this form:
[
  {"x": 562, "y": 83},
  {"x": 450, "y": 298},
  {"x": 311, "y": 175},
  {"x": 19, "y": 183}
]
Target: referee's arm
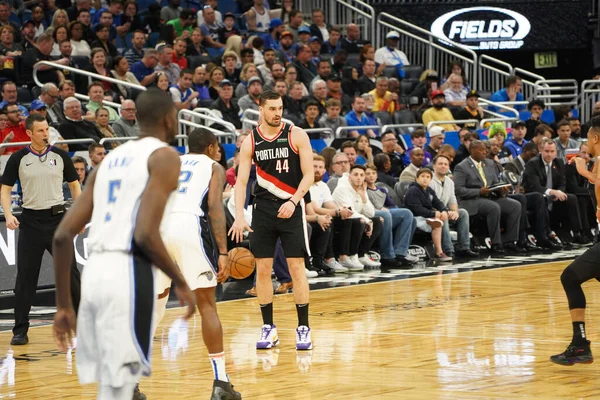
[
  {"x": 9, "y": 178},
  {"x": 70, "y": 175}
]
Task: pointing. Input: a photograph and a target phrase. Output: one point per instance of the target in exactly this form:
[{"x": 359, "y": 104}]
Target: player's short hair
[
  {"x": 32, "y": 119},
  {"x": 268, "y": 95},
  {"x": 594, "y": 127},
  {"x": 153, "y": 106},
  {"x": 424, "y": 171},
  {"x": 199, "y": 140}
]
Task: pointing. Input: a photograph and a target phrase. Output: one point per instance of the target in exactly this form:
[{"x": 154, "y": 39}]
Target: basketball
[{"x": 242, "y": 263}]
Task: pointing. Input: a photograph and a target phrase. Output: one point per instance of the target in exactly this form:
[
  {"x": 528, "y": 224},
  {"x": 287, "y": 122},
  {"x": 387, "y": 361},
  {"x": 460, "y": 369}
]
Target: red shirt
[
  {"x": 20, "y": 135},
  {"x": 182, "y": 61}
]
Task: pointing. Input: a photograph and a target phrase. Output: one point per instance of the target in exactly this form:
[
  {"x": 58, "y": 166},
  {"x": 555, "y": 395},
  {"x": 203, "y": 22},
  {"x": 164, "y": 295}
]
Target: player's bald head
[{"x": 200, "y": 139}]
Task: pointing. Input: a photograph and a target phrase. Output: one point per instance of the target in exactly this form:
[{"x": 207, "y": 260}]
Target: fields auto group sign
[{"x": 483, "y": 28}]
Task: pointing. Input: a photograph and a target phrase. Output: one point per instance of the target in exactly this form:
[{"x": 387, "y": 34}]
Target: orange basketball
[{"x": 242, "y": 263}]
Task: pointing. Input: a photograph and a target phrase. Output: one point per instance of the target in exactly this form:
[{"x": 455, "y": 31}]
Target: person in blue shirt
[
  {"x": 512, "y": 92},
  {"x": 357, "y": 117},
  {"x": 517, "y": 142},
  {"x": 144, "y": 69}
]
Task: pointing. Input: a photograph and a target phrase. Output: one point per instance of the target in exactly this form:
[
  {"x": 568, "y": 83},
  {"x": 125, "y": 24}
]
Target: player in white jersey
[
  {"x": 195, "y": 235},
  {"x": 124, "y": 197}
]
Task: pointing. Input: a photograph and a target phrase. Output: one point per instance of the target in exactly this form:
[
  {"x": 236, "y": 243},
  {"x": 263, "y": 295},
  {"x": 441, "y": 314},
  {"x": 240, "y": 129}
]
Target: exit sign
[{"x": 545, "y": 60}]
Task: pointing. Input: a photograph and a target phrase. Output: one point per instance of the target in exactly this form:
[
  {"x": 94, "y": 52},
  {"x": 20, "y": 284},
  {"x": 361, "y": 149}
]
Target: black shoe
[
  {"x": 19, "y": 339},
  {"x": 528, "y": 246},
  {"x": 390, "y": 263},
  {"x": 407, "y": 263},
  {"x": 326, "y": 271},
  {"x": 224, "y": 391},
  {"x": 549, "y": 245},
  {"x": 137, "y": 395},
  {"x": 574, "y": 355},
  {"x": 497, "y": 251},
  {"x": 513, "y": 249},
  {"x": 466, "y": 253},
  {"x": 580, "y": 239}
]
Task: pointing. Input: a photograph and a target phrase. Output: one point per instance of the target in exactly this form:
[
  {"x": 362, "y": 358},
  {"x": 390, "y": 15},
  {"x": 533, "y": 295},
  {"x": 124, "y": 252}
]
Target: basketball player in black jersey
[
  {"x": 583, "y": 268},
  {"x": 283, "y": 158}
]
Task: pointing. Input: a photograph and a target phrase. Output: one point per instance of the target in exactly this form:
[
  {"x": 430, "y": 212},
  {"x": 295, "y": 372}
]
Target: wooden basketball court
[{"x": 484, "y": 334}]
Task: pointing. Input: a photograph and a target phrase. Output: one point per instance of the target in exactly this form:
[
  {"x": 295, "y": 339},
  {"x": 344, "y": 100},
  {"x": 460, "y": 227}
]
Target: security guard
[{"x": 40, "y": 169}]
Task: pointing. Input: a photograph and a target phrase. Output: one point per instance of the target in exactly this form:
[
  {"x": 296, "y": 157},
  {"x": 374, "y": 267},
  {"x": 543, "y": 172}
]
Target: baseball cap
[
  {"x": 37, "y": 105},
  {"x": 286, "y": 33},
  {"x": 473, "y": 93},
  {"x": 519, "y": 123},
  {"x": 304, "y": 29},
  {"x": 314, "y": 39},
  {"x": 30, "y": 22},
  {"x": 436, "y": 131},
  {"x": 225, "y": 82},
  {"x": 392, "y": 35},
  {"x": 254, "y": 79},
  {"x": 229, "y": 15},
  {"x": 275, "y": 22},
  {"x": 437, "y": 93}
]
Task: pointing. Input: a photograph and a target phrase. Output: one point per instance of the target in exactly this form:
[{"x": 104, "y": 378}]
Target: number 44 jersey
[{"x": 277, "y": 162}]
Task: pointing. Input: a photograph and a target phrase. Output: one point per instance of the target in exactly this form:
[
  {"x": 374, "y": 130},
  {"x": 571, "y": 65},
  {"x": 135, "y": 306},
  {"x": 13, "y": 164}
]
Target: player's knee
[
  {"x": 572, "y": 284},
  {"x": 570, "y": 279}
]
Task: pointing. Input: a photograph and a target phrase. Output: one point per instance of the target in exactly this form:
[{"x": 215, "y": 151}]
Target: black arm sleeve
[
  {"x": 69, "y": 173},
  {"x": 11, "y": 172}
]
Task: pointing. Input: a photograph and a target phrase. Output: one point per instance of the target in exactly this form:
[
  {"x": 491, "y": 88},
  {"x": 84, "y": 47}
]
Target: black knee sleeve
[{"x": 572, "y": 284}]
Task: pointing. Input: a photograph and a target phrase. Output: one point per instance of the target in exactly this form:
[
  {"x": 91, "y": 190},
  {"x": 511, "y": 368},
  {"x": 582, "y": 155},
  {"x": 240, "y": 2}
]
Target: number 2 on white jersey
[{"x": 282, "y": 166}]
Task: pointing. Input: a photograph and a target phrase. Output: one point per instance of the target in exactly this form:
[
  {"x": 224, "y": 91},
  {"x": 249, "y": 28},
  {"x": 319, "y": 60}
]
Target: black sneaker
[
  {"x": 224, "y": 391},
  {"x": 574, "y": 355},
  {"x": 19, "y": 339},
  {"x": 137, "y": 395}
]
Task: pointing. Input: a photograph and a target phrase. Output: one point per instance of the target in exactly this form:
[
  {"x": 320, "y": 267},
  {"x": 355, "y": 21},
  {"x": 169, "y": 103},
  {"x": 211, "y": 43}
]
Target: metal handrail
[
  {"x": 370, "y": 13},
  {"x": 219, "y": 133},
  {"x": 588, "y": 98},
  {"x": 501, "y": 105},
  {"x": 128, "y": 138},
  {"x": 209, "y": 116},
  {"x": 68, "y": 141},
  {"x": 216, "y": 132},
  {"x": 384, "y": 128},
  {"x": 354, "y": 128},
  {"x": 488, "y": 120},
  {"x": 317, "y": 130},
  {"x": 82, "y": 72},
  {"x": 568, "y": 89},
  {"x": 104, "y": 102},
  {"x": 456, "y": 121}
]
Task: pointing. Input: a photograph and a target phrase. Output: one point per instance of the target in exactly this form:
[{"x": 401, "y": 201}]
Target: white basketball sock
[{"x": 217, "y": 361}]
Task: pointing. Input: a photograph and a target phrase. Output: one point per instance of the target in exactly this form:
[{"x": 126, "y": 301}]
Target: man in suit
[
  {"x": 546, "y": 174},
  {"x": 517, "y": 165},
  {"x": 472, "y": 178}
]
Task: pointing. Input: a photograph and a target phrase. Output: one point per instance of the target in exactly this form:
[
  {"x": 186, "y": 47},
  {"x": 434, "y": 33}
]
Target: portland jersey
[
  {"x": 120, "y": 182},
  {"x": 277, "y": 162},
  {"x": 191, "y": 196}
]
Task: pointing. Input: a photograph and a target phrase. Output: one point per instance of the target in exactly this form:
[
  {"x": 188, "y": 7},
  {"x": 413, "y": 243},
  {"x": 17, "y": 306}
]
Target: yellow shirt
[
  {"x": 433, "y": 114},
  {"x": 381, "y": 102}
]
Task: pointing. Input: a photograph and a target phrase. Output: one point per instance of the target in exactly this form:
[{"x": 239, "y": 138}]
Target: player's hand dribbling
[
  {"x": 186, "y": 298},
  {"x": 286, "y": 210},
  {"x": 224, "y": 266},
  {"x": 64, "y": 325},
  {"x": 237, "y": 230}
]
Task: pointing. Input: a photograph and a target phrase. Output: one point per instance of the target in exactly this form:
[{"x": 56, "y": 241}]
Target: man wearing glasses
[
  {"x": 391, "y": 147},
  {"x": 340, "y": 166},
  {"x": 127, "y": 125},
  {"x": 15, "y": 129},
  {"x": 49, "y": 97},
  {"x": 144, "y": 69}
]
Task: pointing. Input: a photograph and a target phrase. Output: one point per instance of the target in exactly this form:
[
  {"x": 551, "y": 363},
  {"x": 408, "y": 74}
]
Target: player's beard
[
  {"x": 318, "y": 178},
  {"x": 273, "y": 122}
]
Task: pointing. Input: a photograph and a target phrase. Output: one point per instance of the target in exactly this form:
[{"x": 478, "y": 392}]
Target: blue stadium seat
[
  {"x": 318, "y": 145},
  {"x": 15, "y": 18},
  {"x": 524, "y": 115},
  {"x": 23, "y": 95},
  {"x": 214, "y": 53},
  {"x": 547, "y": 116},
  {"x": 575, "y": 113},
  {"x": 229, "y": 150},
  {"x": 128, "y": 39},
  {"x": 226, "y": 6},
  {"x": 153, "y": 39}
]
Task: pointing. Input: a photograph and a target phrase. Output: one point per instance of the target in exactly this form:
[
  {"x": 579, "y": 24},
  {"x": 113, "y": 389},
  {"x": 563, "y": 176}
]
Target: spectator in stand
[
  {"x": 39, "y": 20},
  {"x": 8, "y": 51},
  {"x": 251, "y": 100},
  {"x": 535, "y": 107},
  {"x": 437, "y": 134},
  {"x": 384, "y": 99},
  {"x": 389, "y": 54},
  {"x": 115, "y": 8},
  {"x": 305, "y": 69},
  {"x": 179, "y": 49},
  {"x": 576, "y": 132},
  {"x": 96, "y": 95},
  {"x": 59, "y": 34},
  {"x": 349, "y": 149},
  {"x": 98, "y": 66},
  {"x": 319, "y": 94},
  {"x": 215, "y": 77},
  {"x": 228, "y": 108},
  {"x": 103, "y": 39},
  {"x": 323, "y": 71},
  {"x": 340, "y": 166},
  {"x": 472, "y": 110},
  {"x": 144, "y": 69},
  {"x": 275, "y": 31},
  {"x": 512, "y": 92},
  {"x": 248, "y": 71},
  {"x": 319, "y": 27},
  {"x": 392, "y": 148},
  {"x": 418, "y": 139},
  {"x": 215, "y": 5},
  {"x": 232, "y": 72},
  {"x": 183, "y": 96},
  {"x": 294, "y": 106},
  {"x": 75, "y": 127},
  {"x": 121, "y": 72},
  {"x": 5, "y": 18},
  {"x": 65, "y": 90},
  {"x": 517, "y": 166},
  {"x": 546, "y": 174},
  {"x": 465, "y": 136},
  {"x": 517, "y": 142},
  {"x": 456, "y": 94},
  {"x": 131, "y": 19},
  {"x": 564, "y": 141},
  {"x": 352, "y": 43},
  {"x": 257, "y": 17},
  {"x": 334, "y": 91},
  {"x": 28, "y": 35},
  {"x": 541, "y": 132},
  {"x": 383, "y": 165},
  {"x": 85, "y": 18},
  {"x": 210, "y": 28},
  {"x": 80, "y": 46},
  {"x": 102, "y": 123},
  {"x": 367, "y": 82},
  {"x": 439, "y": 112},
  {"x": 170, "y": 11},
  {"x": 443, "y": 187},
  {"x": 49, "y": 96},
  {"x": 15, "y": 128},
  {"x": 127, "y": 125},
  {"x": 41, "y": 53},
  {"x": 264, "y": 70},
  {"x": 333, "y": 44},
  {"x": 199, "y": 83},
  {"x": 364, "y": 152},
  {"x": 10, "y": 96},
  {"x": 430, "y": 213},
  {"x": 497, "y": 134},
  {"x": 166, "y": 66},
  {"x": 417, "y": 161},
  {"x": 228, "y": 30},
  {"x": 96, "y": 152},
  {"x": 311, "y": 114},
  {"x": 296, "y": 21},
  {"x": 332, "y": 119},
  {"x": 194, "y": 44},
  {"x": 184, "y": 24},
  {"x": 356, "y": 117},
  {"x": 353, "y": 194}
]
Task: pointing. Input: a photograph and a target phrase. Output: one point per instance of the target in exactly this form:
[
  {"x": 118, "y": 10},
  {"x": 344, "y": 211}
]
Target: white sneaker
[
  {"x": 358, "y": 266},
  {"x": 336, "y": 266},
  {"x": 268, "y": 337},
  {"x": 367, "y": 262},
  {"x": 311, "y": 274},
  {"x": 303, "y": 340},
  {"x": 410, "y": 258}
]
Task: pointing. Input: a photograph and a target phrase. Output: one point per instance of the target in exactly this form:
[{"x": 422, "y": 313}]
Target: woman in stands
[
  {"x": 194, "y": 44},
  {"x": 368, "y": 53},
  {"x": 8, "y": 50},
  {"x": 248, "y": 72},
  {"x": 98, "y": 66},
  {"x": 78, "y": 44},
  {"x": 37, "y": 16},
  {"x": 59, "y": 34},
  {"x": 60, "y": 18},
  {"x": 363, "y": 150},
  {"x": 286, "y": 7},
  {"x": 103, "y": 126},
  {"x": 162, "y": 82},
  {"x": 121, "y": 72},
  {"x": 291, "y": 76},
  {"x": 454, "y": 67},
  {"x": 130, "y": 15},
  {"x": 215, "y": 77}
]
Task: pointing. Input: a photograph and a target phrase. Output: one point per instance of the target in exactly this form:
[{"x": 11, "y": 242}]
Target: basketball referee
[{"x": 40, "y": 168}]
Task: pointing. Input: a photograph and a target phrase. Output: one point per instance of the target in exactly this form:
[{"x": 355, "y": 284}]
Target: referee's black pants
[{"x": 36, "y": 230}]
